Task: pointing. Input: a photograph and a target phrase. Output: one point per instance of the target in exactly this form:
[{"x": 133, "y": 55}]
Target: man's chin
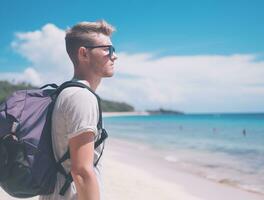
[{"x": 109, "y": 75}]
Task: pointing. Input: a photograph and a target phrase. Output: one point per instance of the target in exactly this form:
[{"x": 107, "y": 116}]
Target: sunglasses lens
[{"x": 111, "y": 51}]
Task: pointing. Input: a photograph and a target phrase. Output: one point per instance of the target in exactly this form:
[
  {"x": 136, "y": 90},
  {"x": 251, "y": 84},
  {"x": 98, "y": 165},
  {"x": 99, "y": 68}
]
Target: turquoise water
[{"x": 228, "y": 148}]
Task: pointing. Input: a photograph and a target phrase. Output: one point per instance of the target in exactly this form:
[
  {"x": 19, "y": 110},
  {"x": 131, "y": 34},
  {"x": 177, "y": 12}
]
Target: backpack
[{"x": 27, "y": 163}]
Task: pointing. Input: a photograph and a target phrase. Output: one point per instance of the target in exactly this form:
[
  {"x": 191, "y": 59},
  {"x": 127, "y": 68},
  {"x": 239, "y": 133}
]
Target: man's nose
[{"x": 114, "y": 56}]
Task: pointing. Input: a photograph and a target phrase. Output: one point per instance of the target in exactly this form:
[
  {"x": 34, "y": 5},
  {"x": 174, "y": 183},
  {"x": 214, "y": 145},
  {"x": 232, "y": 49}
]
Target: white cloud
[
  {"x": 209, "y": 83},
  {"x": 28, "y": 75},
  {"x": 192, "y": 83},
  {"x": 45, "y": 49}
]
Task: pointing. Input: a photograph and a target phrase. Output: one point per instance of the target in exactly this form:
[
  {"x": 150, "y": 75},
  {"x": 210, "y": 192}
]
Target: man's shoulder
[{"x": 75, "y": 98}]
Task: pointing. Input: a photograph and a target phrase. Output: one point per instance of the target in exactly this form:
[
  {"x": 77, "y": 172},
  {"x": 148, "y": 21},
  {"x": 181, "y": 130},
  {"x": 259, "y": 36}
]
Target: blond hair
[{"x": 83, "y": 34}]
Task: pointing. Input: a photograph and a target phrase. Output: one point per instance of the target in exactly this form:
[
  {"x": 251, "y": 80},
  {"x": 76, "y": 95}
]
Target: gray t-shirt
[{"x": 75, "y": 112}]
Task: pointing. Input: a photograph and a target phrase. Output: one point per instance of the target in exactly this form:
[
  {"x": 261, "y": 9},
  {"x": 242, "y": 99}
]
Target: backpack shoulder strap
[{"x": 103, "y": 136}]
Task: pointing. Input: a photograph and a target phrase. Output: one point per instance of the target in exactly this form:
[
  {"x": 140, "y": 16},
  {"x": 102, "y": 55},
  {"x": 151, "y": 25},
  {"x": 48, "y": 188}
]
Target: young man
[{"x": 76, "y": 114}]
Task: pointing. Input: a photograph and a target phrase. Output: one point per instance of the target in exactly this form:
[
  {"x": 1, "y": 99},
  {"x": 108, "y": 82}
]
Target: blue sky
[{"x": 156, "y": 31}]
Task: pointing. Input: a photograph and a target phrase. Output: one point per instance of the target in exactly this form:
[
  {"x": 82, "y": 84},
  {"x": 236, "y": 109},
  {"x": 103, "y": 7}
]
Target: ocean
[{"x": 227, "y": 148}]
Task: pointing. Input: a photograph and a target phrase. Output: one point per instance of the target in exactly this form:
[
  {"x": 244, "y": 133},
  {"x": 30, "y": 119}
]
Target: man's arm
[{"x": 82, "y": 156}]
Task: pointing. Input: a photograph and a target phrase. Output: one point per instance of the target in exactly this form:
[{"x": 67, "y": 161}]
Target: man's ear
[{"x": 82, "y": 53}]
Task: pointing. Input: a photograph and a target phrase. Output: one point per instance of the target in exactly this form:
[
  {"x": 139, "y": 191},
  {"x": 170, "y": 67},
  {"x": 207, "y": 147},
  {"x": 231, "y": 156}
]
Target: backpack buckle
[{"x": 14, "y": 127}]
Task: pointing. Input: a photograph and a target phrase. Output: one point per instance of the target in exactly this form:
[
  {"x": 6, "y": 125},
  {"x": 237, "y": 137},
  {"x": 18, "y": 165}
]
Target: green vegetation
[
  {"x": 6, "y": 88},
  {"x": 110, "y": 106}
]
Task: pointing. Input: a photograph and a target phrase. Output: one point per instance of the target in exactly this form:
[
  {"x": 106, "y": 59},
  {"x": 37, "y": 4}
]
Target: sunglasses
[{"x": 111, "y": 49}]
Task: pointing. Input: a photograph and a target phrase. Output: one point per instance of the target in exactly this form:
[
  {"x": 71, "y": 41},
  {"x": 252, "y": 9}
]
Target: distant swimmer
[
  {"x": 244, "y": 132},
  {"x": 214, "y": 130}
]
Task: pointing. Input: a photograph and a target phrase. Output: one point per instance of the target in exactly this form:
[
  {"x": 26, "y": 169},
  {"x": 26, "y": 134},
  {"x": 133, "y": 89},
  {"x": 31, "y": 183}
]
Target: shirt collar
[{"x": 82, "y": 81}]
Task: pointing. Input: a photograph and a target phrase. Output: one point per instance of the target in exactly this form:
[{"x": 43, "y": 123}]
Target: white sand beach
[
  {"x": 133, "y": 171},
  {"x": 134, "y": 113}
]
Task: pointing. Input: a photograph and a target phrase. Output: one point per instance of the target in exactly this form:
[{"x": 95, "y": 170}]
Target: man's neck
[{"x": 93, "y": 81}]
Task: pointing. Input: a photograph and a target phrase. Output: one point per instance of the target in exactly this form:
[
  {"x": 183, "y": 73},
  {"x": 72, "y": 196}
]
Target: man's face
[{"x": 99, "y": 60}]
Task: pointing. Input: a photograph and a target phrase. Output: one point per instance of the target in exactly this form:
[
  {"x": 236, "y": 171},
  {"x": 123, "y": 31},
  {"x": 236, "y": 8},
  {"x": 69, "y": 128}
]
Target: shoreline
[
  {"x": 174, "y": 162},
  {"x": 148, "y": 163}
]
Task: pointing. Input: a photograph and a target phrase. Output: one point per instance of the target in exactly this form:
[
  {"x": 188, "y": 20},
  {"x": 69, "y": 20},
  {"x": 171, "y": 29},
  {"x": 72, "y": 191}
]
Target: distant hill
[
  {"x": 113, "y": 106},
  {"x": 165, "y": 112},
  {"x": 6, "y": 88}
]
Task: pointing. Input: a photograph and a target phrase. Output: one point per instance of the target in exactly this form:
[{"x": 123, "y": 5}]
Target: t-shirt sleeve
[{"x": 81, "y": 114}]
